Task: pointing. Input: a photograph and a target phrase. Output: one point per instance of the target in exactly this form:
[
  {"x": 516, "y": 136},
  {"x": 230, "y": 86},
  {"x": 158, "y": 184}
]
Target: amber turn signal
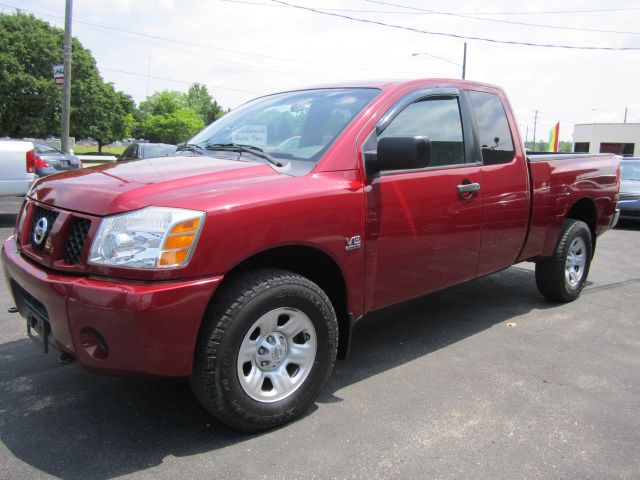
[
  {"x": 187, "y": 226},
  {"x": 174, "y": 258},
  {"x": 179, "y": 241}
]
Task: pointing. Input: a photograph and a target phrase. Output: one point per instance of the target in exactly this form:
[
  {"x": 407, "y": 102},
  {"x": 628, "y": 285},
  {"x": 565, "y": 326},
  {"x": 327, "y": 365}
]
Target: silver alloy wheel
[
  {"x": 575, "y": 262},
  {"x": 277, "y": 354}
]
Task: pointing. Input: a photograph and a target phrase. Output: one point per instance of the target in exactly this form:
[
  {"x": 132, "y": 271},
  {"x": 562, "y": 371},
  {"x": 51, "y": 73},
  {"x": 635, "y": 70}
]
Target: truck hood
[{"x": 165, "y": 181}]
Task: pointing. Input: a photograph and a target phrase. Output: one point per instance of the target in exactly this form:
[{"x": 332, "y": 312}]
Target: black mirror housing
[{"x": 399, "y": 153}]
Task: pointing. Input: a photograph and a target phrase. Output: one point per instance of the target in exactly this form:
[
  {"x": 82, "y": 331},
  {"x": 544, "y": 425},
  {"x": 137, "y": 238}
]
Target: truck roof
[{"x": 385, "y": 84}]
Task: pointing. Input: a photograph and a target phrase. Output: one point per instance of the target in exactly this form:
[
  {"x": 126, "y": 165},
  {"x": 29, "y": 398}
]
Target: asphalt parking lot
[{"x": 484, "y": 380}]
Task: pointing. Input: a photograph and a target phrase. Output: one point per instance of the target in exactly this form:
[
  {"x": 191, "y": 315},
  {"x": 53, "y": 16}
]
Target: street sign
[{"x": 58, "y": 73}]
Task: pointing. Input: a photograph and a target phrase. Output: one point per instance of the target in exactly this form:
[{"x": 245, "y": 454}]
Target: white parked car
[{"x": 17, "y": 167}]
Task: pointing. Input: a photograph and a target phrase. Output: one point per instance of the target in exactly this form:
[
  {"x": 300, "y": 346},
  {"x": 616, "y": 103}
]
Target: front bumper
[{"x": 147, "y": 328}]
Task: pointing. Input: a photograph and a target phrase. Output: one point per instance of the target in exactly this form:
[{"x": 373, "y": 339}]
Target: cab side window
[
  {"x": 439, "y": 120},
  {"x": 493, "y": 128}
]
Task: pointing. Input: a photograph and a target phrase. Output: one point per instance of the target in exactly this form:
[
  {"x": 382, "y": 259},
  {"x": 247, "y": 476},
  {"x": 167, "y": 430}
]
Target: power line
[
  {"x": 555, "y": 115},
  {"x": 209, "y": 47},
  {"x": 145, "y": 75},
  {"x": 453, "y": 35},
  {"x": 530, "y": 12},
  {"x": 244, "y": 62},
  {"x": 496, "y": 20},
  {"x": 435, "y": 56},
  {"x": 128, "y": 32}
]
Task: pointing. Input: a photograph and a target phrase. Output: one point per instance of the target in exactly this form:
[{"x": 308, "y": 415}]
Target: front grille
[
  {"x": 39, "y": 238},
  {"x": 54, "y": 237},
  {"x": 75, "y": 240}
]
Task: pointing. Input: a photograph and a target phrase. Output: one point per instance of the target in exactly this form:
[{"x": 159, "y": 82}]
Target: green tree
[
  {"x": 30, "y": 102},
  {"x": 196, "y": 99},
  {"x": 163, "y": 103},
  {"x": 566, "y": 147},
  {"x": 200, "y": 101},
  {"x": 107, "y": 116},
  {"x": 542, "y": 146},
  {"x": 174, "y": 127},
  {"x": 186, "y": 113}
]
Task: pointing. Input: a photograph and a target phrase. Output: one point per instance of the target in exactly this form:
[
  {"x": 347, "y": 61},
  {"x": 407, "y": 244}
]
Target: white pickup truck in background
[{"x": 17, "y": 167}]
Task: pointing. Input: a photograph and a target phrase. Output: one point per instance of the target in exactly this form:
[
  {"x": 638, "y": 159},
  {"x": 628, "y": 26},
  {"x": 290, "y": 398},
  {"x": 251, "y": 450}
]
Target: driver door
[{"x": 423, "y": 233}]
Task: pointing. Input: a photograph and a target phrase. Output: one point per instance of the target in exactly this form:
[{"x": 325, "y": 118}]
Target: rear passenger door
[
  {"x": 505, "y": 184},
  {"x": 423, "y": 234}
]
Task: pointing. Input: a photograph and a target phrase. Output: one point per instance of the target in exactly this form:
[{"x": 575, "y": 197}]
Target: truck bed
[{"x": 586, "y": 184}]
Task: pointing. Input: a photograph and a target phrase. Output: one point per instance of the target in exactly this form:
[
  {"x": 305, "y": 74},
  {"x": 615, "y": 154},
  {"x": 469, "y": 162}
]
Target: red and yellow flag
[{"x": 553, "y": 138}]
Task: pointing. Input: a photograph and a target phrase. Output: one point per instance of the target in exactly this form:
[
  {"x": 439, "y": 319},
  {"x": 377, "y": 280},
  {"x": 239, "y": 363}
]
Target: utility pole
[
  {"x": 148, "y": 75},
  {"x": 535, "y": 124},
  {"x": 464, "y": 61},
  {"x": 625, "y": 114},
  {"x": 66, "y": 88}
]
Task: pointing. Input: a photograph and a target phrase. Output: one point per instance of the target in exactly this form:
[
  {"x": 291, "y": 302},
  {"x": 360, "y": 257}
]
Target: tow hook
[
  {"x": 12, "y": 310},
  {"x": 64, "y": 358}
]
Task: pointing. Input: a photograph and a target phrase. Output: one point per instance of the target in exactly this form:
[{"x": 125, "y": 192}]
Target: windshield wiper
[
  {"x": 238, "y": 147},
  {"x": 191, "y": 147}
]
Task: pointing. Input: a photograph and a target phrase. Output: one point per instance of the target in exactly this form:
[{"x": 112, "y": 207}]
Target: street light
[
  {"x": 447, "y": 60},
  {"x": 464, "y": 59}
]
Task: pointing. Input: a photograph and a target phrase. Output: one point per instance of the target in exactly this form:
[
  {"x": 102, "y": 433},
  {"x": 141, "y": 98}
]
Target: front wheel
[
  {"x": 265, "y": 349},
  {"x": 562, "y": 277}
]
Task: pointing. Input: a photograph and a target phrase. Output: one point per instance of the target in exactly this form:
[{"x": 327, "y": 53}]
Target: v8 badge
[{"x": 352, "y": 243}]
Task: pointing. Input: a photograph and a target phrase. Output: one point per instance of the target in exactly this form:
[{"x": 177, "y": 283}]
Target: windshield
[
  {"x": 151, "y": 151},
  {"x": 630, "y": 170},
  {"x": 293, "y": 126}
]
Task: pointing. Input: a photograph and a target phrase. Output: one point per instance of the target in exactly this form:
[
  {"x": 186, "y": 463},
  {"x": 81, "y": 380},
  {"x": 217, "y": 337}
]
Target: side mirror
[{"x": 399, "y": 153}]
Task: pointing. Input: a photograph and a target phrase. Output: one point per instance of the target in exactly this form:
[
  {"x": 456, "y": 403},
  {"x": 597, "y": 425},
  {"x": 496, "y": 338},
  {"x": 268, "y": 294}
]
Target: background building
[{"x": 618, "y": 138}]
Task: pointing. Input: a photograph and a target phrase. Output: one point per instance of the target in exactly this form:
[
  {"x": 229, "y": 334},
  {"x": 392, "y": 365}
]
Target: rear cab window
[{"x": 493, "y": 128}]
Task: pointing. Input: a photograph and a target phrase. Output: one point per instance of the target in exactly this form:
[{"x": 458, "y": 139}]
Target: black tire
[
  {"x": 551, "y": 277},
  {"x": 216, "y": 380}
]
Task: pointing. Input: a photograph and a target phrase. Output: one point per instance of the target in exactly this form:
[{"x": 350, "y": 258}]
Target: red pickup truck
[{"x": 244, "y": 261}]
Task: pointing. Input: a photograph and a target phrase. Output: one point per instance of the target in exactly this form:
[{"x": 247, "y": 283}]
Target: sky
[{"x": 242, "y": 49}]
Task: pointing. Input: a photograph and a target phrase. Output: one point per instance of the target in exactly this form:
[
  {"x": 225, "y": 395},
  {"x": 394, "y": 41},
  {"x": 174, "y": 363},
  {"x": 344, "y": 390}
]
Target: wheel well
[
  {"x": 315, "y": 265},
  {"x": 585, "y": 210}
]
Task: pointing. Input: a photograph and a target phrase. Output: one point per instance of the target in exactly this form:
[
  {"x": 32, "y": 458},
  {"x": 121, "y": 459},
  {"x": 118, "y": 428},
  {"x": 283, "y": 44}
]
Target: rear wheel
[
  {"x": 562, "y": 277},
  {"x": 265, "y": 349}
]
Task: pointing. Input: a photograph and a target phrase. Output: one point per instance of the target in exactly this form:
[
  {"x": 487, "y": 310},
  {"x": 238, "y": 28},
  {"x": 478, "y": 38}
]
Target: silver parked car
[
  {"x": 50, "y": 160},
  {"x": 629, "y": 200},
  {"x": 139, "y": 150}
]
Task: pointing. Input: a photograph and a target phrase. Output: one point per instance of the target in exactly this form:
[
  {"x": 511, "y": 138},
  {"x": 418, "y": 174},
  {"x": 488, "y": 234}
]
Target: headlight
[{"x": 154, "y": 238}]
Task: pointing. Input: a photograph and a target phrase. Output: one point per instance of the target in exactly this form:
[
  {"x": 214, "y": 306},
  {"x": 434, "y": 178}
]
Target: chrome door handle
[{"x": 468, "y": 188}]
